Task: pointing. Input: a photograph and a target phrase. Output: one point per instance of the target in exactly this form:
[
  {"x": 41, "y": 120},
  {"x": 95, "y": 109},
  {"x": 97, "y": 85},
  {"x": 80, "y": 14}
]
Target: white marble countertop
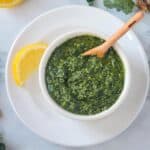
[{"x": 16, "y": 135}]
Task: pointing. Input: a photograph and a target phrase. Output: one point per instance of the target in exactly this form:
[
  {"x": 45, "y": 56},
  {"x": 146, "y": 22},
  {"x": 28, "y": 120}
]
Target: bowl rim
[{"x": 57, "y": 108}]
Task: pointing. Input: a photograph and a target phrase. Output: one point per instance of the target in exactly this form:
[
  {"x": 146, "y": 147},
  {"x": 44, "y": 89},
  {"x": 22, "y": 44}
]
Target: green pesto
[{"x": 84, "y": 85}]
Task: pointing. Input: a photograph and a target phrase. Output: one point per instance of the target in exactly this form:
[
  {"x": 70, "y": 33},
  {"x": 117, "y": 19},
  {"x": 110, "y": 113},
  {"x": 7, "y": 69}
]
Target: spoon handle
[{"x": 101, "y": 50}]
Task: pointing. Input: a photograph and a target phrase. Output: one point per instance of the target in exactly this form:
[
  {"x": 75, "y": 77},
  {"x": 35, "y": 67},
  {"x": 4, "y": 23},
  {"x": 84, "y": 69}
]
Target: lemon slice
[
  {"x": 26, "y": 61},
  {"x": 9, "y": 3}
]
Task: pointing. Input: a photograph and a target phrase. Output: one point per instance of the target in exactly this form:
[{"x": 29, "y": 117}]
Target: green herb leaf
[
  {"x": 91, "y": 2},
  {"x": 2, "y": 146},
  {"x": 121, "y": 5}
]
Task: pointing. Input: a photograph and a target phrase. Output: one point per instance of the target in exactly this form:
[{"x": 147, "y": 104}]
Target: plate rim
[{"x": 30, "y": 24}]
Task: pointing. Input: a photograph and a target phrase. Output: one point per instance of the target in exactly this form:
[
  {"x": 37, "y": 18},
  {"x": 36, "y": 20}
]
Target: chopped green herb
[
  {"x": 121, "y": 5},
  {"x": 84, "y": 85}
]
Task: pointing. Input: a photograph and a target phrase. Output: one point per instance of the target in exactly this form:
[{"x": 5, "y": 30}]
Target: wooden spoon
[{"x": 101, "y": 50}]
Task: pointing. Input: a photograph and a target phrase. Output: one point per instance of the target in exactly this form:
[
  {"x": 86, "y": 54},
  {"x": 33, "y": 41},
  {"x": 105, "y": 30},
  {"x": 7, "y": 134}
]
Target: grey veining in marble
[{"x": 19, "y": 137}]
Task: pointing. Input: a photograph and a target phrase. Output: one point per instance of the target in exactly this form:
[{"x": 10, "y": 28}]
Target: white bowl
[{"x": 52, "y": 104}]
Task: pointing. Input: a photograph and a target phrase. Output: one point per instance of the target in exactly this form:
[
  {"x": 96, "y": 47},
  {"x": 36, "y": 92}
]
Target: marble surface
[{"x": 15, "y": 134}]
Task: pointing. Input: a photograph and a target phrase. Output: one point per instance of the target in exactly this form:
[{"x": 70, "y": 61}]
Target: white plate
[{"x": 28, "y": 102}]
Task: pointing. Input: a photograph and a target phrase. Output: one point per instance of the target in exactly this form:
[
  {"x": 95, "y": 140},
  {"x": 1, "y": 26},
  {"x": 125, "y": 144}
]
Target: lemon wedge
[
  {"x": 9, "y": 3},
  {"x": 26, "y": 61}
]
